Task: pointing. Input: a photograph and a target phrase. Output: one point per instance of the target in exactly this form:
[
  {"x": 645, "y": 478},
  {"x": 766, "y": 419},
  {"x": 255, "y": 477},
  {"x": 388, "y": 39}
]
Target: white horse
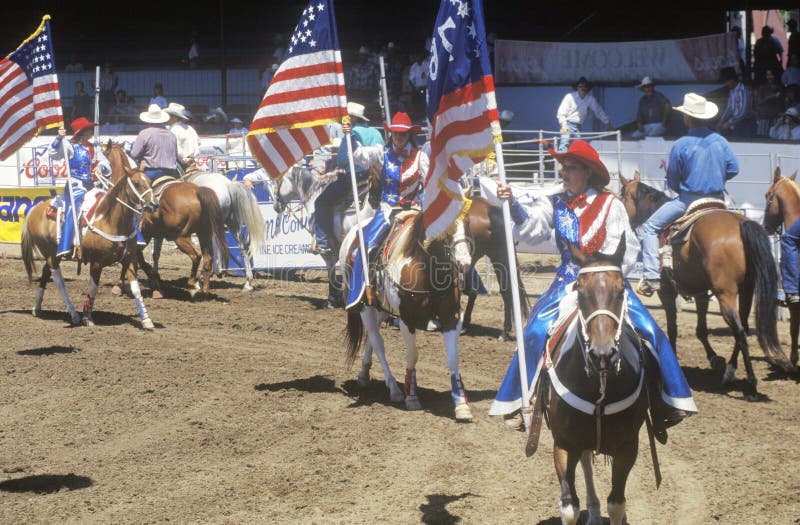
[{"x": 238, "y": 207}]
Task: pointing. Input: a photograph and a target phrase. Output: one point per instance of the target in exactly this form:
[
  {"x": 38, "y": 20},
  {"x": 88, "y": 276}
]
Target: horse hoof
[
  {"x": 116, "y": 290},
  {"x": 247, "y": 287},
  {"x": 594, "y": 517},
  {"x": 36, "y": 312},
  {"x": 147, "y": 324},
  {"x": 463, "y": 412},
  {"x": 76, "y": 319},
  {"x": 398, "y": 397},
  {"x": 363, "y": 378},
  {"x": 88, "y": 322},
  {"x": 412, "y": 403},
  {"x": 504, "y": 337},
  {"x": 157, "y": 294},
  {"x": 193, "y": 292},
  {"x": 717, "y": 363},
  {"x": 433, "y": 326},
  {"x": 729, "y": 375}
]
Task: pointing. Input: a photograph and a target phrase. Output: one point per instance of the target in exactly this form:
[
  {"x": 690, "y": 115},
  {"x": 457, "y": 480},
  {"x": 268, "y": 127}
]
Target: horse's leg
[
  {"x": 334, "y": 282},
  {"x": 117, "y": 288},
  {"x": 186, "y": 245},
  {"x": 412, "y": 356},
  {"x": 668, "y": 295},
  {"x": 746, "y": 291},
  {"x": 94, "y": 279},
  {"x": 463, "y": 412},
  {"x": 565, "y": 463},
  {"x": 701, "y": 302},
  {"x": 157, "y": 244},
  {"x": 592, "y": 501},
  {"x": 466, "y": 319},
  {"x": 794, "y": 325},
  {"x": 727, "y": 306},
  {"x": 130, "y": 268},
  {"x": 366, "y": 364},
  {"x": 244, "y": 250},
  {"x": 621, "y": 466},
  {"x": 75, "y": 318},
  {"x": 43, "y": 279},
  {"x": 152, "y": 274},
  {"x": 372, "y": 322}
]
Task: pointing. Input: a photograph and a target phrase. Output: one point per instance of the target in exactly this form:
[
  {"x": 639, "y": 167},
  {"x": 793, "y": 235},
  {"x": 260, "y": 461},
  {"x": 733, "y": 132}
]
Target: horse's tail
[
  {"x": 211, "y": 220},
  {"x": 27, "y": 249},
  {"x": 498, "y": 248},
  {"x": 353, "y": 336},
  {"x": 761, "y": 263},
  {"x": 245, "y": 212}
]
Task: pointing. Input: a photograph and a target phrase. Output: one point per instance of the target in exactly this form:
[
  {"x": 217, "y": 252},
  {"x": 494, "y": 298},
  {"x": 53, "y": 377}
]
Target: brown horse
[
  {"x": 183, "y": 209},
  {"x": 594, "y": 393},
  {"x": 109, "y": 238},
  {"x": 783, "y": 208},
  {"x": 728, "y": 255},
  {"x": 417, "y": 285},
  {"x": 485, "y": 227}
]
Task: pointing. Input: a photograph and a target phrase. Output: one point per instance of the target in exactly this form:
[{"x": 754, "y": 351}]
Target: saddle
[
  {"x": 679, "y": 231},
  {"x": 160, "y": 184}
]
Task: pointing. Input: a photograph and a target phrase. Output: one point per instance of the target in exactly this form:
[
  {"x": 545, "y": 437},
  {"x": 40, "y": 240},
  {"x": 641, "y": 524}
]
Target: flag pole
[
  {"x": 97, "y": 104},
  {"x": 361, "y": 244},
  {"x": 387, "y": 115},
  {"x": 514, "y": 275}
]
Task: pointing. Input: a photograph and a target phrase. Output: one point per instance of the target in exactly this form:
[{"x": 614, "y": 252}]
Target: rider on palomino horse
[
  {"x": 594, "y": 220},
  {"x": 83, "y": 158},
  {"x": 404, "y": 169}
]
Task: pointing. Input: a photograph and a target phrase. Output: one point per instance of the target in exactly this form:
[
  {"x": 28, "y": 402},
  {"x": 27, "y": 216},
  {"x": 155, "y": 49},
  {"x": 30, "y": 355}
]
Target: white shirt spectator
[
  {"x": 418, "y": 74},
  {"x": 575, "y": 109}
]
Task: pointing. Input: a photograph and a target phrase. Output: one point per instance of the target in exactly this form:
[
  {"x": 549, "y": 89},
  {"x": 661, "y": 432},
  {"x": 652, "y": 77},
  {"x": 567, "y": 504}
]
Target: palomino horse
[
  {"x": 184, "y": 208},
  {"x": 304, "y": 184},
  {"x": 730, "y": 256},
  {"x": 238, "y": 207},
  {"x": 783, "y": 208},
  {"x": 593, "y": 389},
  {"x": 418, "y": 285},
  {"x": 485, "y": 227},
  {"x": 110, "y": 238}
]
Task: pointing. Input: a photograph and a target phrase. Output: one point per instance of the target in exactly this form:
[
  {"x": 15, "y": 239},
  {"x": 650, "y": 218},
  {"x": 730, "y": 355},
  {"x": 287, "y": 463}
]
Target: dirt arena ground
[{"x": 239, "y": 409}]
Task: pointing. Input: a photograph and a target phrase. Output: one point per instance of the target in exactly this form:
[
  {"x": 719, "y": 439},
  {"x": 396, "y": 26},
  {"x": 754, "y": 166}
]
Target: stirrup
[{"x": 647, "y": 287}]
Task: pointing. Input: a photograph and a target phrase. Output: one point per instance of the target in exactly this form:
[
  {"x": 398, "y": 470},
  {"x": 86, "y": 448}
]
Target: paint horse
[
  {"x": 109, "y": 238},
  {"x": 416, "y": 284}
]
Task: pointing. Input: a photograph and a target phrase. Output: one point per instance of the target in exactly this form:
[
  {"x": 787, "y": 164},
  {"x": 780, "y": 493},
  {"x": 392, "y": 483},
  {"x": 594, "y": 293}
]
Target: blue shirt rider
[
  {"x": 82, "y": 157},
  {"x": 594, "y": 220},
  {"x": 341, "y": 187},
  {"x": 699, "y": 165},
  {"x": 398, "y": 184}
]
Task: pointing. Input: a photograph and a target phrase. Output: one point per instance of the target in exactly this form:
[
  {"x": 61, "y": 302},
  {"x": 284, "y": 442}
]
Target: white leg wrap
[
  {"x": 137, "y": 294},
  {"x": 39, "y": 296},
  {"x": 616, "y": 513},
  {"x": 451, "y": 344},
  {"x": 569, "y": 514}
]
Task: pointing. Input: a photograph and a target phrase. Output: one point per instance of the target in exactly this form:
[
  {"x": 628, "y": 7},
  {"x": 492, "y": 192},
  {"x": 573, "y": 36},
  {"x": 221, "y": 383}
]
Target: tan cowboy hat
[
  {"x": 178, "y": 110},
  {"x": 154, "y": 115},
  {"x": 356, "y": 110},
  {"x": 697, "y": 107}
]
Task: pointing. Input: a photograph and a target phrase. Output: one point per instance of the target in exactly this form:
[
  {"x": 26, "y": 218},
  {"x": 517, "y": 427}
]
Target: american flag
[
  {"x": 306, "y": 93},
  {"x": 29, "y": 96},
  {"x": 461, "y": 108}
]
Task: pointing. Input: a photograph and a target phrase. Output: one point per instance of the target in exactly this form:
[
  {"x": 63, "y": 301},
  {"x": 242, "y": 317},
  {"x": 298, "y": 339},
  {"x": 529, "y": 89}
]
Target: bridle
[{"x": 619, "y": 319}]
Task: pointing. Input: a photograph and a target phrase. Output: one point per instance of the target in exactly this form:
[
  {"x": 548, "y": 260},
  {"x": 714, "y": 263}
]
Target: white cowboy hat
[
  {"x": 178, "y": 110},
  {"x": 646, "y": 81},
  {"x": 507, "y": 115},
  {"x": 363, "y": 50},
  {"x": 154, "y": 115},
  {"x": 697, "y": 107},
  {"x": 236, "y": 120},
  {"x": 356, "y": 110}
]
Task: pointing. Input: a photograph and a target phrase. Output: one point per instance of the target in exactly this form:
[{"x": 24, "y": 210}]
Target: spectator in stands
[
  {"x": 81, "y": 102},
  {"x": 394, "y": 64},
  {"x": 339, "y": 189},
  {"x": 740, "y": 48},
  {"x": 653, "y": 113},
  {"x": 793, "y": 47},
  {"x": 216, "y": 121},
  {"x": 767, "y": 54},
  {"x": 108, "y": 85},
  {"x": 158, "y": 97},
  {"x": 238, "y": 127},
  {"x": 122, "y": 109},
  {"x": 738, "y": 119},
  {"x": 362, "y": 82},
  {"x": 266, "y": 77},
  {"x": 792, "y": 73},
  {"x": 575, "y": 108},
  {"x": 787, "y": 127},
  {"x": 156, "y": 147},
  {"x": 769, "y": 103},
  {"x": 194, "y": 52},
  {"x": 791, "y": 97},
  {"x": 700, "y": 163},
  {"x": 186, "y": 136},
  {"x": 418, "y": 81},
  {"x": 74, "y": 65}
]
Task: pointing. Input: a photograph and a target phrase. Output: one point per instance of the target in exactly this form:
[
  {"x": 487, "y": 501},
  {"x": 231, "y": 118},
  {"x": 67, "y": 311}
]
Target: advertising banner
[
  {"x": 14, "y": 204},
  {"x": 685, "y": 60}
]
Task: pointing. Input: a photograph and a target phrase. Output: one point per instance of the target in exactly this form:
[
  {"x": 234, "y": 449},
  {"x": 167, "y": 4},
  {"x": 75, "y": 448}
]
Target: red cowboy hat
[
  {"x": 81, "y": 123},
  {"x": 581, "y": 151},
  {"x": 401, "y": 123}
]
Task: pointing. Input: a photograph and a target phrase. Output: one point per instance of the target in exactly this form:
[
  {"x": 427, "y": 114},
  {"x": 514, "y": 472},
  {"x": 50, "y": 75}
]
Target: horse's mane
[{"x": 417, "y": 237}]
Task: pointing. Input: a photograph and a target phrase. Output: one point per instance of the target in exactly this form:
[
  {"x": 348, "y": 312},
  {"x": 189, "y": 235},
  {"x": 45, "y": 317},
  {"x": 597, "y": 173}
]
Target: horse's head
[
  {"x": 601, "y": 308},
  {"x": 119, "y": 160},
  {"x": 139, "y": 193},
  {"x": 640, "y": 200},
  {"x": 781, "y": 196}
]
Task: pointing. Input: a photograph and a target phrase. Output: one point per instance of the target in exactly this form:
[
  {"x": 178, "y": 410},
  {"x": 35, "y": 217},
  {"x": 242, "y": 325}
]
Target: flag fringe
[
  {"x": 45, "y": 18},
  {"x": 452, "y": 228},
  {"x": 300, "y": 125}
]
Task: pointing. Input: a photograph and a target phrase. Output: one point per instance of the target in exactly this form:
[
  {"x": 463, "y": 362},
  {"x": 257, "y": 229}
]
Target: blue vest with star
[
  {"x": 567, "y": 228},
  {"x": 393, "y": 166}
]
